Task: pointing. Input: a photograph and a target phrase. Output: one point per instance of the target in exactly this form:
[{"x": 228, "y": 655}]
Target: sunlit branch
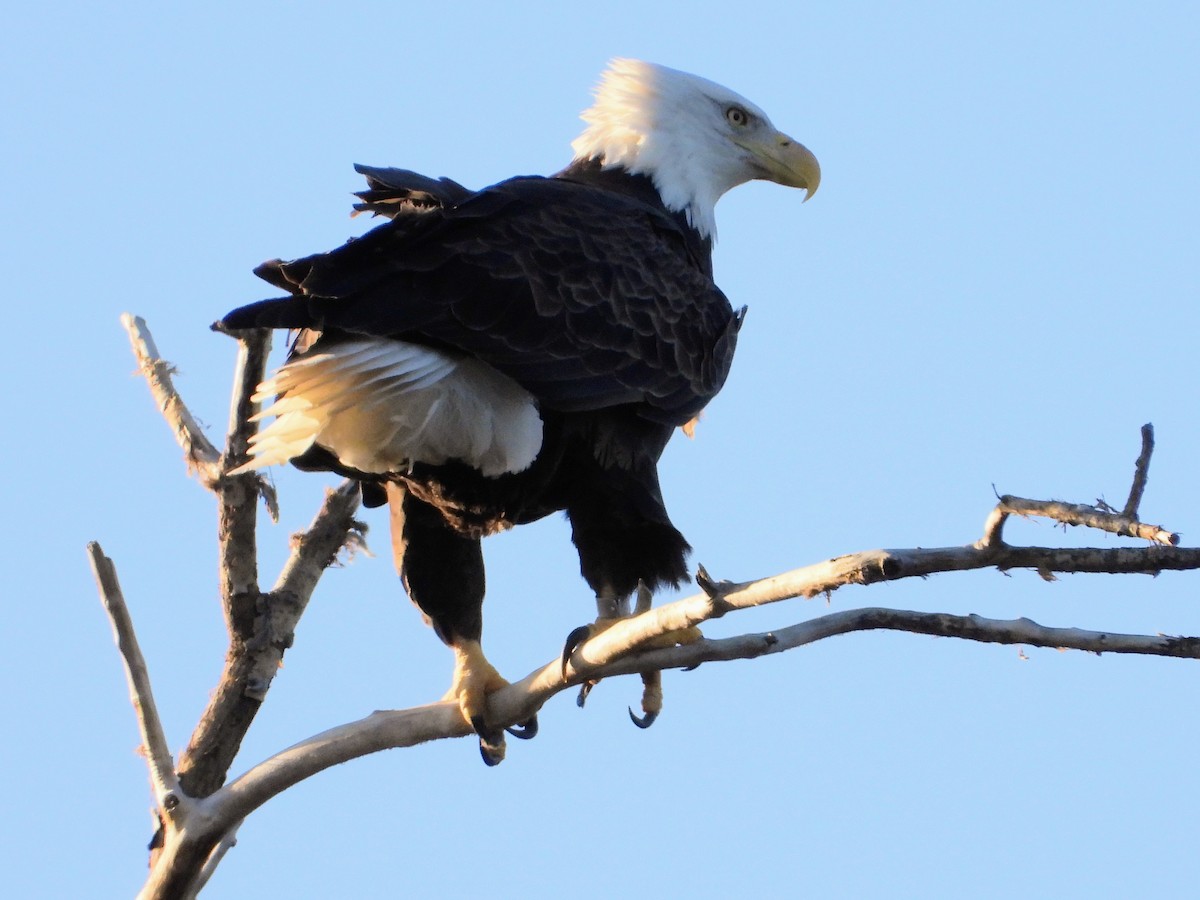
[
  {"x": 154, "y": 740},
  {"x": 201, "y": 455},
  {"x": 406, "y": 728},
  {"x": 200, "y": 813}
]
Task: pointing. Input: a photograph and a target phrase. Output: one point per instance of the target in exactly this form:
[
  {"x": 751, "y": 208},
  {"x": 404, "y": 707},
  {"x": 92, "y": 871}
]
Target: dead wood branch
[
  {"x": 1075, "y": 514},
  {"x": 1141, "y": 472},
  {"x": 202, "y": 457},
  {"x": 163, "y": 779},
  {"x": 200, "y": 813},
  {"x": 405, "y": 728},
  {"x": 261, "y": 625},
  {"x": 257, "y": 646}
]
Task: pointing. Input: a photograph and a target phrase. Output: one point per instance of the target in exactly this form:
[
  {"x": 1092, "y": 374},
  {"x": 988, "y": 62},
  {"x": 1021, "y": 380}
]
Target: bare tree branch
[
  {"x": 237, "y": 512},
  {"x": 201, "y": 455},
  {"x": 1101, "y": 516},
  {"x": 254, "y": 346},
  {"x": 257, "y": 649},
  {"x": 515, "y": 703},
  {"x": 237, "y": 519},
  {"x": 261, "y": 626},
  {"x": 1076, "y": 514},
  {"x": 865, "y": 568},
  {"x": 163, "y": 779},
  {"x": 1141, "y": 472},
  {"x": 200, "y": 814},
  {"x": 615, "y": 651}
]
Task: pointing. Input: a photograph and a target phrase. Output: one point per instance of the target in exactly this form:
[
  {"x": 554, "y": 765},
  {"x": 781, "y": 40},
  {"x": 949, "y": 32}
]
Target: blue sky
[{"x": 996, "y": 285}]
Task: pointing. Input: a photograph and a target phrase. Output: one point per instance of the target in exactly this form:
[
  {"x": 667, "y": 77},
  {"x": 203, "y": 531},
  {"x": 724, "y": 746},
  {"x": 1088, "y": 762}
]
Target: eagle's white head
[{"x": 694, "y": 139}]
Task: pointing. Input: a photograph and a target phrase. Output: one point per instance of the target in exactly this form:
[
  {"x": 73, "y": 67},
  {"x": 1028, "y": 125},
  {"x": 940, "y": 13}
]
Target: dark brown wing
[{"x": 588, "y": 298}]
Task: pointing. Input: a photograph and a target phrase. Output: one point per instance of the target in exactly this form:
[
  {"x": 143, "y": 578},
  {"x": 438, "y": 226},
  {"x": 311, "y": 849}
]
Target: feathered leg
[
  {"x": 443, "y": 573},
  {"x": 623, "y": 548}
]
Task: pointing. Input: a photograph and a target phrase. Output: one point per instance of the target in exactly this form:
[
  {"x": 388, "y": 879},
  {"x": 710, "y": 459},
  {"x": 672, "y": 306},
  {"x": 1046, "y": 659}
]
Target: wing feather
[{"x": 586, "y": 297}]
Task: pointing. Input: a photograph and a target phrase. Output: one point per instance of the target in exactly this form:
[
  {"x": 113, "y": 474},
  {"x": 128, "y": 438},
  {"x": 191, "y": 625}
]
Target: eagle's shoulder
[{"x": 584, "y": 290}]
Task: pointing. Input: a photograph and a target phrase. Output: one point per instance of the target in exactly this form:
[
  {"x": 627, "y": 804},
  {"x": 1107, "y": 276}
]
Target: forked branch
[{"x": 199, "y": 813}]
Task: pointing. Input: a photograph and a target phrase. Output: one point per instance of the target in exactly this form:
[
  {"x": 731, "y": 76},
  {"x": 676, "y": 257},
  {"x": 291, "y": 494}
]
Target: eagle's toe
[{"x": 474, "y": 679}]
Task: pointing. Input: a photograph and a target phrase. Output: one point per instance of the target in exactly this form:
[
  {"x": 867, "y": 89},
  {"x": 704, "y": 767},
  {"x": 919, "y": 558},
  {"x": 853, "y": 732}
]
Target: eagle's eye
[{"x": 737, "y": 117}]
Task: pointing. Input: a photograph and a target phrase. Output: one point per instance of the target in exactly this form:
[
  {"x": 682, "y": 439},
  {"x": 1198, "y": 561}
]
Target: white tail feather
[{"x": 381, "y": 405}]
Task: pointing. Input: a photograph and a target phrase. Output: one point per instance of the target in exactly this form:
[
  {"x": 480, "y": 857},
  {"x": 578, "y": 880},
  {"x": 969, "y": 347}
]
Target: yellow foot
[
  {"x": 652, "y": 700},
  {"x": 474, "y": 679}
]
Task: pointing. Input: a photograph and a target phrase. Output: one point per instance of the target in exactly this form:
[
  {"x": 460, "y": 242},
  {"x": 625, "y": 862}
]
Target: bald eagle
[{"x": 486, "y": 358}]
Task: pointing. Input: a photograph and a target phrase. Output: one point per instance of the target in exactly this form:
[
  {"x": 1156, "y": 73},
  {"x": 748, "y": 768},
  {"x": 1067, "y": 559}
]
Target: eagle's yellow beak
[{"x": 784, "y": 161}]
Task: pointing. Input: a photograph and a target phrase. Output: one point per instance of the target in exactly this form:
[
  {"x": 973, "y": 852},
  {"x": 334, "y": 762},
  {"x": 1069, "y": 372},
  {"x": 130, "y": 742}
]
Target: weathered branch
[
  {"x": 254, "y": 346},
  {"x": 970, "y": 627},
  {"x": 608, "y": 655},
  {"x": 201, "y": 455},
  {"x": 237, "y": 512},
  {"x": 255, "y": 653},
  {"x": 614, "y": 651},
  {"x": 237, "y": 517},
  {"x": 163, "y": 779},
  {"x": 515, "y": 703},
  {"x": 1101, "y": 516},
  {"x": 1141, "y": 472},
  {"x": 261, "y": 626},
  {"x": 200, "y": 814},
  {"x": 1075, "y": 514},
  {"x": 869, "y": 567}
]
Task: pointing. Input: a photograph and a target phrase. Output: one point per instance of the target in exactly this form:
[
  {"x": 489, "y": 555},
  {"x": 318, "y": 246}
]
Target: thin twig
[
  {"x": 237, "y": 511},
  {"x": 254, "y": 346},
  {"x": 154, "y": 740},
  {"x": 315, "y": 549},
  {"x": 1089, "y": 516},
  {"x": 201, "y": 455},
  {"x": 993, "y": 529},
  {"x": 1141, "y": 471},
  {"x": 1101, "y": 516}
]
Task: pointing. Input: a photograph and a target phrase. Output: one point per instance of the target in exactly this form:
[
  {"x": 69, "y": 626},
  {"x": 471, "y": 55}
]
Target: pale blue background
[{"x": 996, "y": 285}]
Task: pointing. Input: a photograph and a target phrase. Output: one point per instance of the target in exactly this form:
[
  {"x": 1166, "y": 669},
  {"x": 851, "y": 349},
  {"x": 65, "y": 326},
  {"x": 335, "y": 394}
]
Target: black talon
[
  {"x": 524, "y": 731},
  {"x": 644, "y": 722},
  {"x": 574, "y": 639},
  {"x": 584, "y": 690},
  {"x": 491, "y": 743}
]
